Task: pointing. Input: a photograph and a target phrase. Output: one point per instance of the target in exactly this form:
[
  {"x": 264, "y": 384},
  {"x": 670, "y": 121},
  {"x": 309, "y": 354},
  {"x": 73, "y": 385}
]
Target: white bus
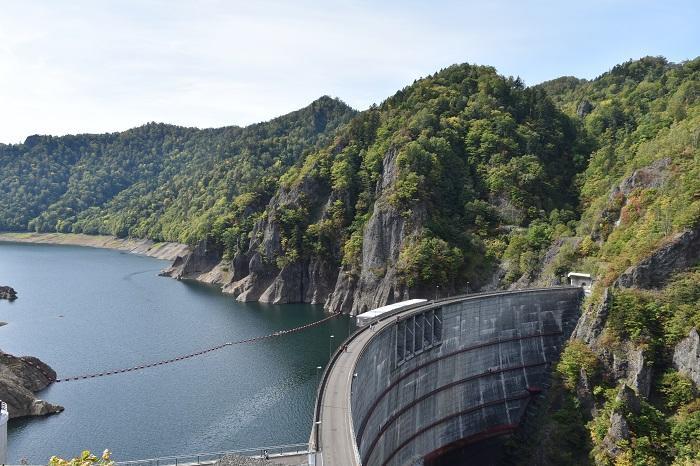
[{"x": 366, "y": 317}]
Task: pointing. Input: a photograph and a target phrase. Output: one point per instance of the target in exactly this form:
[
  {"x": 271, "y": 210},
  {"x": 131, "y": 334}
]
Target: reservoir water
[{"x": 84, "y": 310}]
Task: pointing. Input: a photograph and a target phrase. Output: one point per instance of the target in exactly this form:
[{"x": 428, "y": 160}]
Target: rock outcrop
[
  {"x": 263, "y": 273},
  {"x": 20, "y": 379},
  {"x": 7, "y": 292},
  {"x": 203, "y": 263},
  {"x": 682, "y": 251},
  {"x": 584, "y": 108},
  {"x": 686, "y": 356},
  {"x": 639, "y": 372},
  {"x": 619, "y": 431},
  {"x": 653, "y": 176},
  {"x": 377, "y": 282},
  {"x": 591, "y": 324},
  {"x": 624, "y": 362}
]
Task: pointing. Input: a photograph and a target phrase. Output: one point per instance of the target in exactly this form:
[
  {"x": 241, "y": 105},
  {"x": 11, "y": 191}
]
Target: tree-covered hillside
[
  {"x": 157, "y": 181},
  {"x": 451, "y": 164},
  {"x": 639, "y": 235}
]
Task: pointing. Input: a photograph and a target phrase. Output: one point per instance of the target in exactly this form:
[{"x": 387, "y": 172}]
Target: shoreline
[{"x": 144, "y": 247}]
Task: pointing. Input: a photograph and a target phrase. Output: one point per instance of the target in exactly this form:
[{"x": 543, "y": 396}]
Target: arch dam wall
[{"x": 455, "y": 372}]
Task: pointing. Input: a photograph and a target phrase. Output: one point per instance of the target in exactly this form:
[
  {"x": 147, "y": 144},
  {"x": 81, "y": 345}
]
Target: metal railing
[
  {"x": 209, "y": 458},
  {"x": 314, "y": 438}
]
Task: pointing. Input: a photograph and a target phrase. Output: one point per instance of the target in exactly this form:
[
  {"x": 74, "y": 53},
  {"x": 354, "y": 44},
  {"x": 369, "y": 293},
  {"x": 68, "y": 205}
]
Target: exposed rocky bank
[
  {"x": 20, "y": 379},
  {"x": 256, "y": 275},
  {"x": 144, "y": 247}
]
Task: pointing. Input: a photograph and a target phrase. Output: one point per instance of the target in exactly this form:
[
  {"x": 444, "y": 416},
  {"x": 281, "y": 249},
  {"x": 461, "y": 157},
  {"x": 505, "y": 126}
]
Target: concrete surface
[{"x": 493, "y": 357}]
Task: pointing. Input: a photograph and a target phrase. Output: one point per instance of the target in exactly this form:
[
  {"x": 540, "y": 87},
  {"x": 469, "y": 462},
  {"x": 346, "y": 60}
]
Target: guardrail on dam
[{"x": 434, "y": 377}]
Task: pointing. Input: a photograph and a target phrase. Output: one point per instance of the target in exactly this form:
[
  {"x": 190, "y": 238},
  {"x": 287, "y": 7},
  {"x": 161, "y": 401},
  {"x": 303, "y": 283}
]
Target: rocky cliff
[
  {"x": 375, "y": 281},
  {"x": 258, "y": 274},
  {"x": 650, "y": 177},
  {"x": 679, "y": 252},
  {"x": 20, "y": 379},
  {"x": 413, "y": 196},
  {"x": 265, "y": 272},
  {"x": 203, "y": 263},
  {"x": 624, "y": 362},
  {"x": 686, "y": 356}
]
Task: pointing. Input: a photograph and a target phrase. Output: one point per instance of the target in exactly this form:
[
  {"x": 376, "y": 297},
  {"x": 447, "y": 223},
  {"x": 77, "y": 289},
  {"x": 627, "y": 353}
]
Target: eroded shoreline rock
[
  {"x": 140, "y": 246},
  {"x": 7, "y": 292},
  {"x": 20, "y": 379}
]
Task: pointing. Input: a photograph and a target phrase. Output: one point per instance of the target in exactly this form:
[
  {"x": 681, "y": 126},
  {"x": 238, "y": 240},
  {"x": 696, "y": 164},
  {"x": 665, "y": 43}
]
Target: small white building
[
  {"x": 584, "y": 280},
  {"x": 4, "y": 417},
  {"x": 366, "y": 317}
]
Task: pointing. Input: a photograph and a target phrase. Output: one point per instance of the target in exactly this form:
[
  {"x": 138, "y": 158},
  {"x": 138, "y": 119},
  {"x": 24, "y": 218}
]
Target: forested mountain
[
  {"x": 463, "y": 180},
  {"x": 639, "y": 235},
  {"x": 157, "y": 181},
  {"x": 421, "y": 191}
]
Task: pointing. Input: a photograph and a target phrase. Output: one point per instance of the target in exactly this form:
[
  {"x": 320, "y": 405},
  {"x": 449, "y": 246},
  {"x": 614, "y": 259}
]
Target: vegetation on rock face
[
  {"x": 475, "y": 150},
  {"x": 663, "y": 428},
  {"x": 641, "y": 180},
  {"x": 471, "y": 154},
  {"x": 640, "y": 189},
  {"x": 685, "y": 434},
  {"x": 644, "y": 433},
  {"x": 576, "y": 360},
  {"x": 656, "y": 320}
]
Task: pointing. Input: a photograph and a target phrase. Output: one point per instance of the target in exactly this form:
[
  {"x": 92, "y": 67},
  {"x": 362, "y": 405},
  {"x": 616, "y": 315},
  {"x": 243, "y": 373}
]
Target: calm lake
[{"x": 84, "y": 310}]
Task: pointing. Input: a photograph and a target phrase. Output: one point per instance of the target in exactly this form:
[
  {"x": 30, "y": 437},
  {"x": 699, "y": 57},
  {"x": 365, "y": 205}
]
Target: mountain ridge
[{"x": 32, "y": 138}]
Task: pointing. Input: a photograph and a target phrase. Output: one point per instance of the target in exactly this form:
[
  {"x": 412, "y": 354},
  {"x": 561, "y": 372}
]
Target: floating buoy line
[{"x": 277, "y": 334}]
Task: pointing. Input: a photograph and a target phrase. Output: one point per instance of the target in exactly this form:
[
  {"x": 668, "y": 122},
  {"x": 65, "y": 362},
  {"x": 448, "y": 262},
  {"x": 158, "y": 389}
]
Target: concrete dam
[{"x": 427, "y": 380}]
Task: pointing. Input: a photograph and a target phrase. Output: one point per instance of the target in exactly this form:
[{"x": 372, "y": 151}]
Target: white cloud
[{"x": 97, "y": 66}]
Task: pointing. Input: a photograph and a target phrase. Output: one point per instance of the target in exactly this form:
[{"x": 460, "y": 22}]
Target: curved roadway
[{"x": 333, "y": 422}]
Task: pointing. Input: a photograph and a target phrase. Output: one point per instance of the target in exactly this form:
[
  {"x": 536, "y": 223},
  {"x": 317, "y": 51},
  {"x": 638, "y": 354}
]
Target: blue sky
[{"x": 97, "y": 66}]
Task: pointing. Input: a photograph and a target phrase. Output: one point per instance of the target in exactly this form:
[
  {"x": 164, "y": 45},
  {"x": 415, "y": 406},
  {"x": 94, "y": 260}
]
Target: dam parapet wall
[{"x": 456, "y": 371}]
